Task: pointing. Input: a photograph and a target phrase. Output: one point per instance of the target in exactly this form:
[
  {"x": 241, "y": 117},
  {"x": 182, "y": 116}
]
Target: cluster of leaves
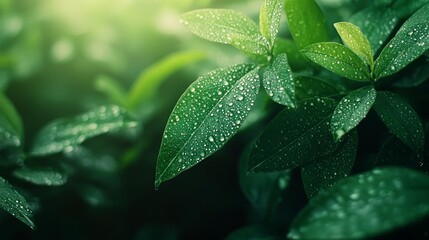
[{"x": 317, "y": 130}]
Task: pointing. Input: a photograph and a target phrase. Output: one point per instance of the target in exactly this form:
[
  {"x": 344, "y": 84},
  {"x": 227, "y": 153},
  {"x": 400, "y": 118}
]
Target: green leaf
[
  {"x": 404, "y": 8},
  {"x": 327, "y": 170},
  {"x": 278, "y": 82},
  {"x": 365, "y": 206},
  {"x": 221, "y": 25},
  {"x": 269, "y": 19},
  {"x": 111, "y": 88},
  {"x": 338, "y": 59},
  {"x": 378, "y": 29},
  {"x": 15, "y": 204},
  {"x": 254, "y": 232},
  {"x": 46, "y": 177},
  {"x": 409, "y": 43},
  {"x": 353, "y": 37},
  {"x": 307, "y": 23},
  {"x": 8, "y": 110},
  {"x": 413, "y": 75},
  {"x": 8, "y": 135},
  {"x": 294, "y": 137},
  {"x": 401, "y": 119},
  {"x": 296, "y": 60},
  {"x": 62, "y": 134},
  {"x": 247, "y": 44},
  {"x": 308, "y": 87},
  {"x": 352, "y": 109},
  {"x": 145, "y": 87},
  {"x": 207, "y": 115}
]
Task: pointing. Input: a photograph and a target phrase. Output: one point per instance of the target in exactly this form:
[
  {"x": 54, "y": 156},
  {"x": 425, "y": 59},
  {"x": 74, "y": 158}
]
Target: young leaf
[
  {"x": 401, "y": 119},
  {"x": 378, "y": 28},
  {"x": 15, "y": 204},
  {"x": 11, "y": 114},
  {"x": 247, "y": 44},
  {"x": 146, "y": 85},
  {"x": 278, "y": 82},
  {"x": 338, "y": 59},
  {"x": 308, "y": 87},
  {"x": 64, "y": 133},
  {"x": 207, "y": 115},
  {"x": 46, "y": 177},
  {"x": 269, "y": 19},
  {"x": 352, "y": 109},
  {"x": 327, "y": 170},
  {"x": 294, "y": 137},
  {"x": 353, "y": 37},
  {"x": 409, "y": 43},
  {"x": 307, "y": 23},
  {"x": 111, "y": 88},
  {"x": 364, "y": 206}
]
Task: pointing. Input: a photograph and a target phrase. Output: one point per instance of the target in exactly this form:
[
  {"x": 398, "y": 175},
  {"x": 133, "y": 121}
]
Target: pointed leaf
[
  {"x": 327, "y": 170},
  {"x": 46, "y": 177},
  {"x": 338, "y": 59},
  {"x": 307, "y": 22},
  {"x": 308, "y": 87},
  {"x": 15, "y": 204},
  {"x": 269, "y": 19},
  {"x": 401, "y": 119},
  {"x": 352, "y": 109},
  {"x": 365, "y": 206},
  {"x": 218, "y": 25},
  {"x": 65, "y": 133},
  {"x": 353, "y": 37},
  {"x": 278, "y": 82},
  {"x": 409, "y": 43},
  {"x": 296, "y": 60},
  {"x": 294, "y": 137},
  {"x": 247, "y": 44},
  {"x": 207, "y": 115},
  {"x": 378, "y": 28}
]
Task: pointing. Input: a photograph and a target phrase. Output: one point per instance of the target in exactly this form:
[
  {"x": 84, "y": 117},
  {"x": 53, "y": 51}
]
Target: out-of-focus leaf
[
  {"x": 294, "y": 137},
  {"x": 278, "y": 82},
  {"x": 11, "y": 114},
  {"x": 409, "y": 43},
  {"x": 306, "y": 22},
  {"x": 145, "y": 87},
  {"x": 351, "y": 110},
  {"x": 269, "y": 19},
  {"x": 338, "y": 59},
  {"x": 365, "y": 205},
  {"x": 414, "y": 76},
  {"x": 404, "y": 8},
  {"x": 327, "y": 170},
  {"x": 15, "y": 204},
  {"x": 308, "y": 87},
  {"x": 401, "y": 119},
  {"x": 112, "y": 89},
  {"x": 8, "y": 136},
  {"x": 295, "y": 59},
  {"x": 46, "y": 177},
  {"x": 254, "y": 232},
  {"x": 65, "y": 133},
  {"x": 207, "y": 115}
]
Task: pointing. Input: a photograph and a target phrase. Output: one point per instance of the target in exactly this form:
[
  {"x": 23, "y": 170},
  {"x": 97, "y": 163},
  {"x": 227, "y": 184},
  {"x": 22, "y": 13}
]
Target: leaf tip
[{"x": 338, "y": 134}]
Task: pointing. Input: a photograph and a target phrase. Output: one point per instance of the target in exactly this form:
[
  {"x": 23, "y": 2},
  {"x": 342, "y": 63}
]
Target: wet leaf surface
[
  {"x": 269, "y": 19},
  {"x": 308, "y": 87},
  {"x": 45, "y": 177}
]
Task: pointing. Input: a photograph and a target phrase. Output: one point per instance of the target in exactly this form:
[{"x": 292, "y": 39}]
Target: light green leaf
[
  {"x": 338, "y": 59},
  {"x": 111, "y": 88},
  {"x": 352, "y": 109},
  {"x": 353, "y": 37},
  {"x": 247, "y": 44},
  {"x": 15, "y": 204},
  {"x": 308, "y": 87},
  {"x": 278, "y": 82},
  {"x": 146, "y": 86},
  {"x": 207, "y": 115},
  {"x": 46, "y": 177},
  {"x": 307, "y": 23},
  {"x": 62, "y": 134},
  {"x": 365, "y": 206},
  {"x": 269, "y": 19},
  {"x": 377, "y": 24},
  {"x": 7, "y": 109},
  {"x": 409, "y": 43},
  {"x": 218, "y": 25},
  {"x": 296, "y": 60},
  {"x": 294, "y": 137},
  {"x": 254, "y": 232},
  {"x": 325, "y": 171},
  {"x": 401, "y": 119}
]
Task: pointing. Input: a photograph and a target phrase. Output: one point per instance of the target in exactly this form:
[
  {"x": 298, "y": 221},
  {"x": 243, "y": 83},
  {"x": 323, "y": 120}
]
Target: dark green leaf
[
  {"x": 327, "y": 170},
  {"x": 338, "y": 59},
  {"x": 364, "y": 206},
  {"x": 254, "y": 232},
  {"x": 207, "y": 115},
  {"x": 65, "y": 133},
  {"x": 278, "y": 82},
  {"x": 8, "y": 135},
  {"x": 46, "y": 177},
  {"x": 269, "y": 19},
  {"x": 353, "y": 37},
  {"x": 15, "y": 204},
  {"x": 7, "y": 109},
  {"x": 410, "y": 42},
  {"x": 405, "y": 8},
  {"x": 413, "y": 75},
  {"x": 295, "y": 59},
  {"x": 307, "y": 23},
  {"x": 295, "y": 137},
  {"x": 308, "y": 87},
  {"x": 352, "y": 109},
  {"x": 401, "y": 119}
]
